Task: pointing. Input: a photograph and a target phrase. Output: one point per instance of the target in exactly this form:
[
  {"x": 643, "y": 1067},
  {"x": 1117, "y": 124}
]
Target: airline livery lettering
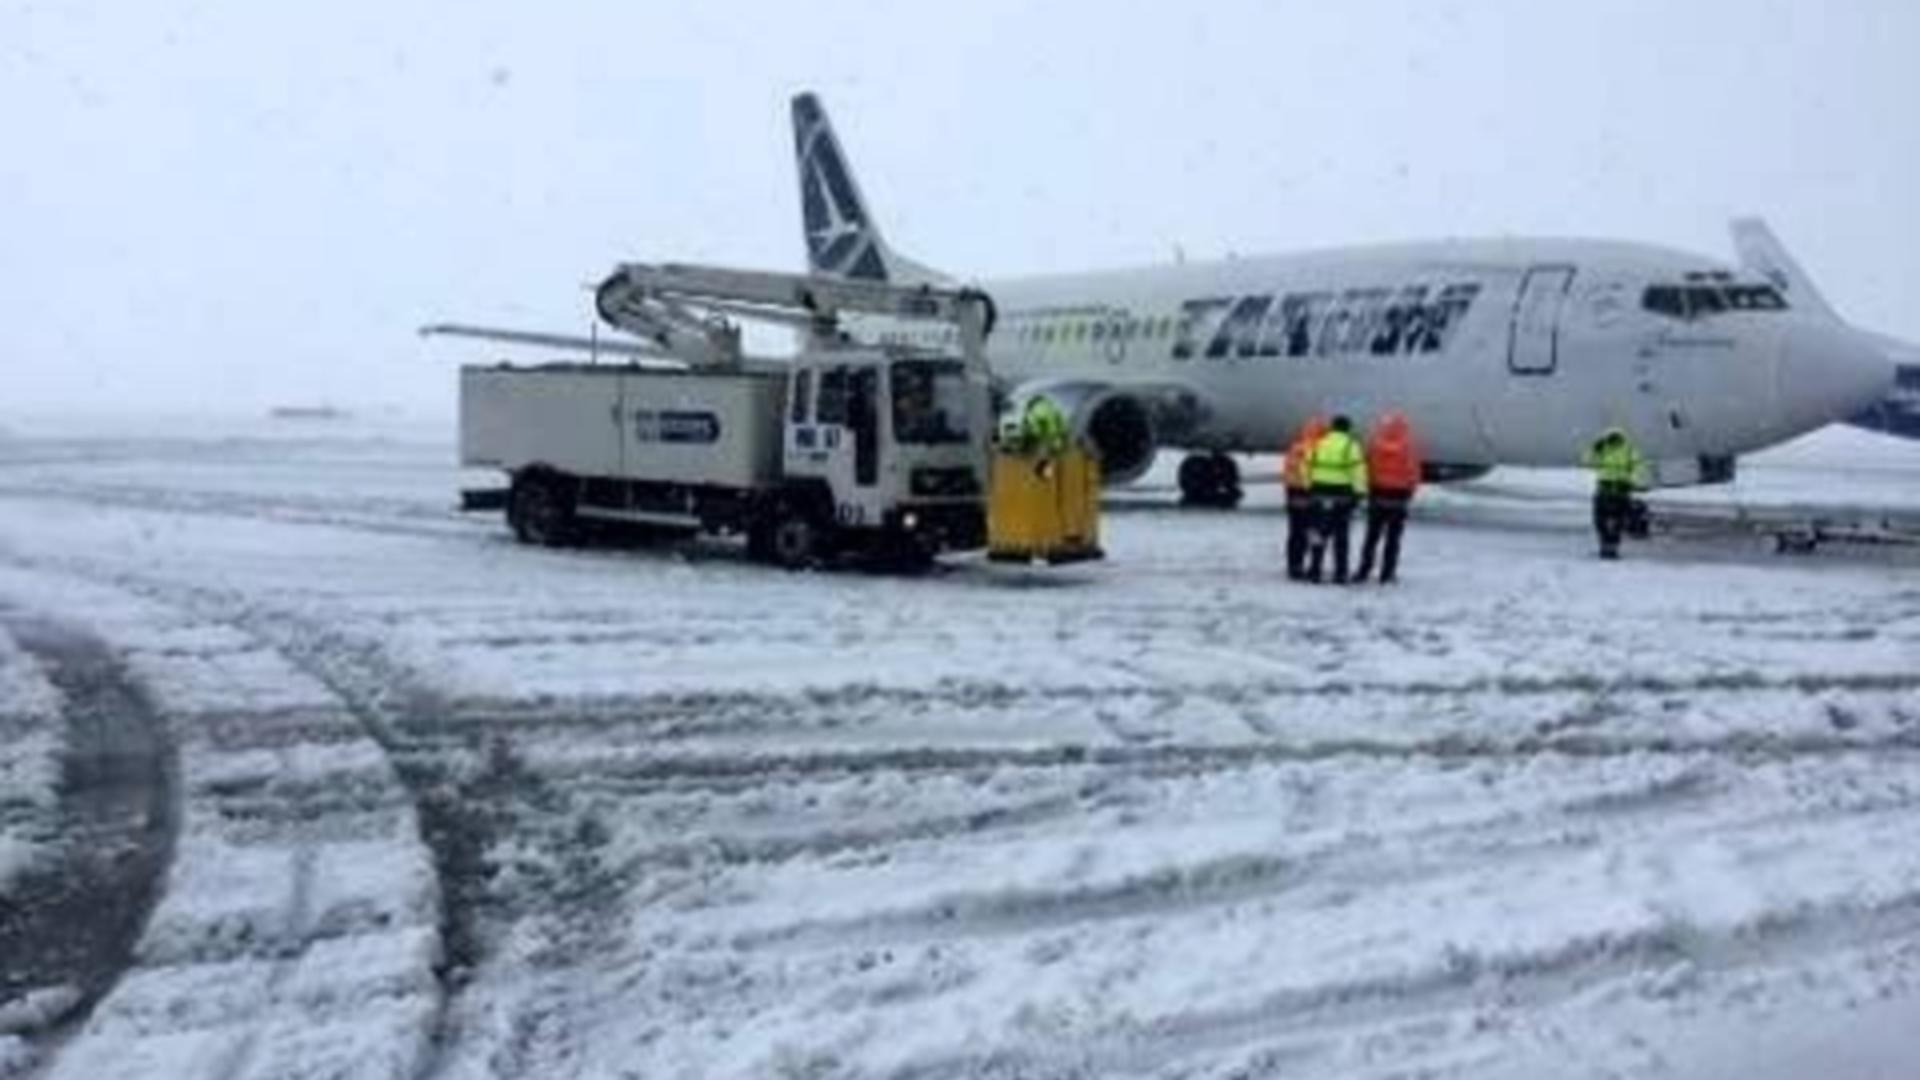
[{"x": 1376, "y": 321}]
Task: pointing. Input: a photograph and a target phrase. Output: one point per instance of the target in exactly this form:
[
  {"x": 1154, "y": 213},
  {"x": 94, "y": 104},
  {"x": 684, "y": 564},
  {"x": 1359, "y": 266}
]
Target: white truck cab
[{"x": 897, "y": 439}]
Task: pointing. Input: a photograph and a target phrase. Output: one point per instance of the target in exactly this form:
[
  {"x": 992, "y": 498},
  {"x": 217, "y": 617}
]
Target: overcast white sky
[{"x": 226, "y": 205}]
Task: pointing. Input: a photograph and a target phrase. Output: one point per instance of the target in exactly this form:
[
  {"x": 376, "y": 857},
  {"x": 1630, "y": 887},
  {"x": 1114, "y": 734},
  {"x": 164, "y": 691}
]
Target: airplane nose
[{"x": 1827, "y": 372}]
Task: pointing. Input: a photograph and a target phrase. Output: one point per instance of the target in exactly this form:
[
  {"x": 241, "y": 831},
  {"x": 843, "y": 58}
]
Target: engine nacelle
[{"x": 1118, "y": 425}]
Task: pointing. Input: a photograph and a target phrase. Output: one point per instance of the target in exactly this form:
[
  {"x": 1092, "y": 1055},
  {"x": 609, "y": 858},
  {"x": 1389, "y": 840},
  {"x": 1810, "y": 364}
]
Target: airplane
[{"x": 1501, "y": 352}]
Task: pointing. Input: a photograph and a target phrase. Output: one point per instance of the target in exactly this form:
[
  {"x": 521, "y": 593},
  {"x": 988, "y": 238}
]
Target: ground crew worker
[
  {"x": 1293, "y": 473},
  {"x": 1043, "y": 427},
  {"x": 1337, "y": 471},
  {"x": 1618, "y": 469},
  {"x": 1393, "y": 474}
]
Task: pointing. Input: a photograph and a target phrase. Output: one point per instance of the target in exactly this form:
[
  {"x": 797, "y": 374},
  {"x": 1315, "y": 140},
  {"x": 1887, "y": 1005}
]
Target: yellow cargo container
[{"x": 1045, "y": 509}]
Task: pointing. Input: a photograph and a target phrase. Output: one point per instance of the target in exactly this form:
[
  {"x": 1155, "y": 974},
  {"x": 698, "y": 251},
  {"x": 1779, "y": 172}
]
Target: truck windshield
[{"x": 929, "y": 402}]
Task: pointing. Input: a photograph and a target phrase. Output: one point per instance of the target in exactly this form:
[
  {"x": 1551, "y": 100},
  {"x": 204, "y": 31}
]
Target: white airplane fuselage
[{"x": 1510, "y": 352}]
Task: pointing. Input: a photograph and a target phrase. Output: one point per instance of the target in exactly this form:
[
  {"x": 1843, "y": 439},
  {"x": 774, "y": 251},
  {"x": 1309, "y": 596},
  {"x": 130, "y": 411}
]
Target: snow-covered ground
[{"x": 449, "y": 806}]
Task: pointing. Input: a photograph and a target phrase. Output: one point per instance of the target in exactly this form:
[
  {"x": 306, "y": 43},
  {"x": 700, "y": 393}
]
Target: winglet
[{"x": 1764, "y": 254}]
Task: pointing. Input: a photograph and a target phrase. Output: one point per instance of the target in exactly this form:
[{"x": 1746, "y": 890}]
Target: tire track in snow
[
  {"x": 1307, "y": 1029},
  {"x": 1576, "y": 714},
  {"x": 670, "y": 707},
  {"x": 401, "y": 519},
  {"x": 68, "y": 930},
  {"x": 733, "y": 769},
  {"x": 461, "y": 783},
  {"x": 1339, "y": 864},
  {"x": 455, "y": 851}
]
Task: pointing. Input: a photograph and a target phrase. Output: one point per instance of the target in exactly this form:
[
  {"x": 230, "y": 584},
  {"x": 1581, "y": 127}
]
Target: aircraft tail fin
[
  {"x": 1763, "y": 253},
  {"x": 842, "y": 237}
]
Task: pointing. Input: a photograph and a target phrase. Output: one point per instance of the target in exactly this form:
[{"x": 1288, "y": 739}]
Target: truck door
[{"x": 1533, "y": 341}]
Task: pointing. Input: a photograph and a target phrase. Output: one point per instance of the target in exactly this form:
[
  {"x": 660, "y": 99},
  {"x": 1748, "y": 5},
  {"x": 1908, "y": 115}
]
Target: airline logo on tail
[{"x": 840, "y": 237}]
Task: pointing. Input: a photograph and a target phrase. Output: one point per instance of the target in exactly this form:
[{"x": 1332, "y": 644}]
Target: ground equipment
[
  {"x": 1044, "y": 508},
  {"x": 844, "y": 448}
]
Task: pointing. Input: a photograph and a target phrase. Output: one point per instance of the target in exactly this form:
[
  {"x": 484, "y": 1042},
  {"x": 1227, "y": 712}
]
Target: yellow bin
[{"x": 1045, "y": 509}]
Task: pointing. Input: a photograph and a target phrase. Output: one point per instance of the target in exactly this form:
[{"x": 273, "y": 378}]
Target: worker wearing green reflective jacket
[
  {"x": 1043, "y": 427},
  {"x": 1337, "y": 478},
  {"x": 1618, "y": 471}
]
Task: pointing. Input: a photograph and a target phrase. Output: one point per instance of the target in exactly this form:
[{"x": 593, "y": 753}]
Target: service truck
[{"x": 844, "y": 449}]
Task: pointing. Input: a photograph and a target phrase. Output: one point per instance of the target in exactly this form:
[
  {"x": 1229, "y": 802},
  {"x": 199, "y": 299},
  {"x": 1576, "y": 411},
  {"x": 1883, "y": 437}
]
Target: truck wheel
[
  {"x": 760, "y": 540},
  {"x": 540, "y": 509},
  {"x": 795, "y": 540}
]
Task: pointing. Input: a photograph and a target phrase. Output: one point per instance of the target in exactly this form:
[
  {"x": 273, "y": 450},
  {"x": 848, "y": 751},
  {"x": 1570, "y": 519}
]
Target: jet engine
[{"x": 1118, "y": 425}]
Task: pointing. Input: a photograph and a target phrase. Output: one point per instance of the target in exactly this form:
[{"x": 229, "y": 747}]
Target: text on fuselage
[{"x": 1399, "y": 321}]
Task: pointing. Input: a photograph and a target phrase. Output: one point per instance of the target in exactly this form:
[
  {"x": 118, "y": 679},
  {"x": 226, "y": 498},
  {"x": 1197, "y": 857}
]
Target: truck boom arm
[{"x": 663, "y": 303}]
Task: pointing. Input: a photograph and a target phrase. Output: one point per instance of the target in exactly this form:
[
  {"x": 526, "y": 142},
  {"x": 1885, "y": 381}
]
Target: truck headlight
[{"x": 909, "y": 520}]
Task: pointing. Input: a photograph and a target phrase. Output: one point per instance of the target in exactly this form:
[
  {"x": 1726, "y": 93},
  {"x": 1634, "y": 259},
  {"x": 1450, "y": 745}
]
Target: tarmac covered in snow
[{"x": 305, "y": 775}]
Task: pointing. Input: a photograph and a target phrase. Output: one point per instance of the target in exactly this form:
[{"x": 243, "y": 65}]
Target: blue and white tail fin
[
  {"x": 842, "y": 237},
  {"x": 1762, "y": 252}
]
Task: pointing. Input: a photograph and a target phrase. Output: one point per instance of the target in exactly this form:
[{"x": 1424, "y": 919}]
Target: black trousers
[
  {"x": 1332, "y": 520},
  {"x": 1299, "y": 531},
  {"x": 1386, "y": 520},
  {"x": 1612, "y": 503}
]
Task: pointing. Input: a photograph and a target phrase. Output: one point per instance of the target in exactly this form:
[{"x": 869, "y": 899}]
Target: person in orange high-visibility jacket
[
  {"x": 1337, "y": 471},
  {"x": 1293, "y": 472},
  {"x": 1393, "y": 475}
]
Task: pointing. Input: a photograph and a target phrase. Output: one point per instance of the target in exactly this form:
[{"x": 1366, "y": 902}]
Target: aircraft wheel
[{"x": 1210, "y": 480}]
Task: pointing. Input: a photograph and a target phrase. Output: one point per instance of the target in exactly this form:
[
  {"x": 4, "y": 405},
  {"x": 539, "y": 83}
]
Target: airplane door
[{"x": 1533, "y": 342}]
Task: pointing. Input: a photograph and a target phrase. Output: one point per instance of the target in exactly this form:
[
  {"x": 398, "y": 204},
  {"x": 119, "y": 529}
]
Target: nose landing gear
[{"x": 1210, "y": 480}]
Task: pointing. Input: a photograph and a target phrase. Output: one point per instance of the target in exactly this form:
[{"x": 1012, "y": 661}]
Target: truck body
[{"x": 692, "y": 427}]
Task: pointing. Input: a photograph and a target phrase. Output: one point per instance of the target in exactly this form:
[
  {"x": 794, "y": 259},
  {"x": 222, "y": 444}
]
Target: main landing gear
[{"x": 1211, "y": 480}]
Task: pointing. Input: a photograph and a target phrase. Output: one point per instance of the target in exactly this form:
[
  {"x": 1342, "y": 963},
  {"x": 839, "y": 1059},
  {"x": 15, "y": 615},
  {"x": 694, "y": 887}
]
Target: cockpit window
[
  {"x": 1696, "y": 300},
  {"x": 1755, "y": 298},
  {"x": 1665, "y": 300},
  {"x": 1705, "y": 300}
]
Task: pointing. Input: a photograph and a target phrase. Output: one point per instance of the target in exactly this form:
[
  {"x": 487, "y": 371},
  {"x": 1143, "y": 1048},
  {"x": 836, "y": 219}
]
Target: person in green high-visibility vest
[
  {"x": 1337, "y": 479},
  {"x": 1618, "y": 471},
  {"x": 1043, "y": 427}
]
